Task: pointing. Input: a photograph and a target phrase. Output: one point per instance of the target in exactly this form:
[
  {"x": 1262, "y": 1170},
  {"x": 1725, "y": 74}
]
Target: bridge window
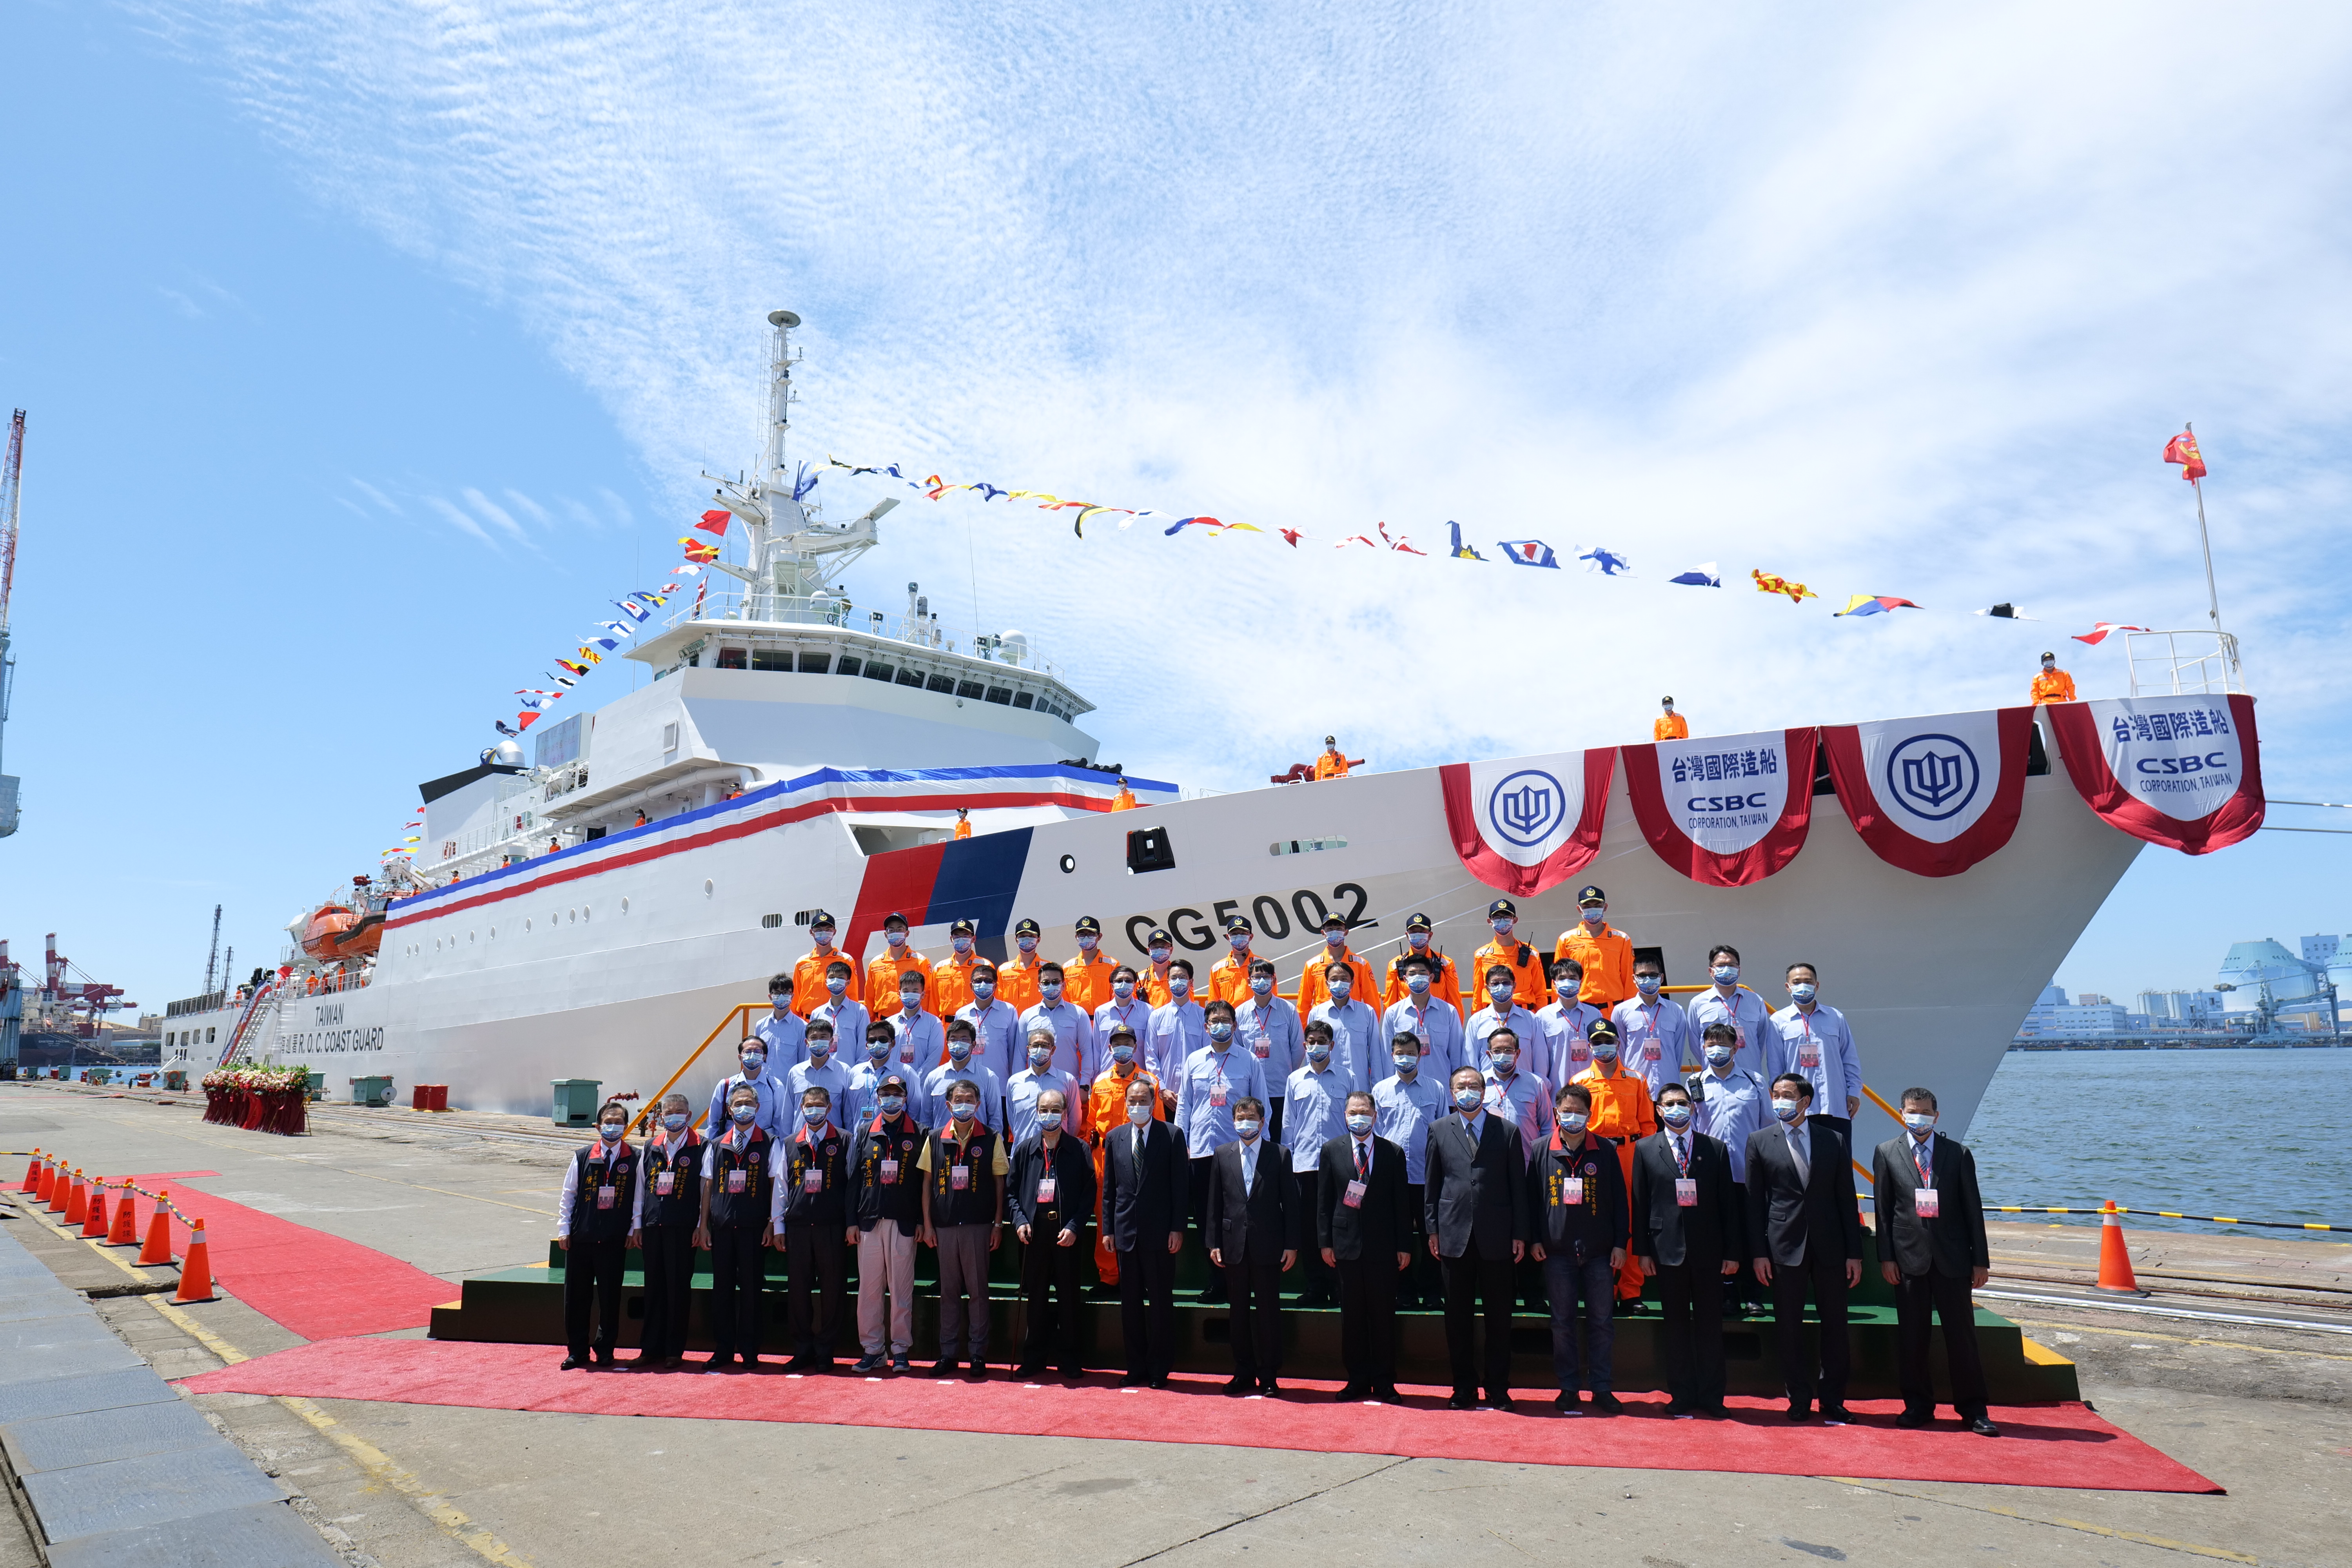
[
  {"x": 771, "y": 658},
  {"x": 1023, "y": 698},
  {"x": 941, "y": 683},
  {"x": 815, "y": 663},
  {"x": 876, "y": 671},
  {"x": 848, "y": 666},
  {"x": 969, "y": 689},
  {"x": 910, "y": 678},
  {"x": 731, "y": 659},
  {"x": 1000, "y": 694}
]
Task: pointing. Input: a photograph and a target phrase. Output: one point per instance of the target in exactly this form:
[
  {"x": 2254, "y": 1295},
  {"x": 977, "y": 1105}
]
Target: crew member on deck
[
  {"x": 670, "y": 1203},
  {"x": 1016, "y": 979},
  {"x": 1086, "y": 979},
  {"x": 1333, "y": 762},
  {"x": 2053, "y": 684},
  {"x": 963, "y": 822},
  {"x": 1530, "y": 983},
  {"x": 898, "y": 959},
  {"x": 593, "y": 1221},
  {"x": 951, "y": 990},
  {"x": 1669, "y": 724},
  {"x": 740, "y": 1171},
  {"x": 1314, "y": 979},
  {"x": 1229, "y": 976},
  {"x": 1605, "y": 952},
  {"x": 1444, "y": 983},
  {"x": 1124, "y": 800},
  {"x": 809, "y": 987}
]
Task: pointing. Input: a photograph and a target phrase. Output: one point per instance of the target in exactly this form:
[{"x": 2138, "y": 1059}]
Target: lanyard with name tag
[
  {"x": 1046, "y": 1187},
  {"x": 1686, "y": 1192},
  {"x": 1925, "y": 1204},
  {"x": 1354, "y": 1195}
]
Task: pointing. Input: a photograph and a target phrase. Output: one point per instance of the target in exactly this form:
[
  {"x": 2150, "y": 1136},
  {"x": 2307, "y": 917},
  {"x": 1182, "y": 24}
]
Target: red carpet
[
  {"x": 2044, "y": 1446},
  {"x": 318, "y": 1285}
]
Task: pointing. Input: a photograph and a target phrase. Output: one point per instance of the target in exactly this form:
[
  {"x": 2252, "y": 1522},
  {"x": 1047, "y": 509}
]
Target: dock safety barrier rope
[{"x": 2167, "y": 1214}]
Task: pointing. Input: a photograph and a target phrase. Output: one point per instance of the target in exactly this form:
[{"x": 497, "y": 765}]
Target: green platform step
[{"x": 525, "y": 1305}]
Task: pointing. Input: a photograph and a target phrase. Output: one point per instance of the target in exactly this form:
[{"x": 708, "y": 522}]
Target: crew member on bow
[
  {"x": 1669, "y": 725},
  {"x": 2052, "y": 684}
]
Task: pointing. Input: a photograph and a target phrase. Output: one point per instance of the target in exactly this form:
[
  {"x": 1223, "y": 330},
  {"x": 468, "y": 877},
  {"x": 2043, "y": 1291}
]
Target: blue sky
[{"x": 371, "y": 347}]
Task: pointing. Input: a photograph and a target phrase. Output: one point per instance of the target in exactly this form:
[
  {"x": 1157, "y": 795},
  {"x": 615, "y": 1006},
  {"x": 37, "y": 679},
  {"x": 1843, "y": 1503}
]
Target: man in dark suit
[
  {"x": 1256, "y": 1224},
  {"x": 1802, "y": 1226},
  {"x": 1475, "y": 1201},
  {"x": 1687, "y": 1231},
  {"x": 1144, "y": 1178},
  {"x": 1932, "y": 1249},
  {"x": 1363, "y": 1218}
]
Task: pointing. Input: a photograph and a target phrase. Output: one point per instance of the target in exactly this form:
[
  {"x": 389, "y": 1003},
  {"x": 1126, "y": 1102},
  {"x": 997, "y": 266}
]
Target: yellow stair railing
[{"x": 740, "y": 1016}]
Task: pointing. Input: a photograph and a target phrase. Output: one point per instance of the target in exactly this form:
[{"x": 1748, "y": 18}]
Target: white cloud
[
  {"x": 461, "y": 520},
  {"x": 1898, "y": 302},
  {"x": 377, "y": 496}
]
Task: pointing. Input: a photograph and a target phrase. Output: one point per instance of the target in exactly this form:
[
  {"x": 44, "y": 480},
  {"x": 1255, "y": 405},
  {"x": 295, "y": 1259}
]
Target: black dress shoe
[
  {"x": 1237, "y": 1383},
  {"x": 1133, "y": 1380},
  {"x": 1982, "y": 1427},
  {"x": 1912, "y": 1419},
  {"x": 1463, "y": 1399},
  {"x": 945, "y": 1368},
  {"x": 1676, "y": 1407},
  {"x": 1836, "y": 1415},
  {"x": 1159, "y": 1382},
  {"x": 645, "y": 1361},
  {"x": 1352, "y": 1393},
  {"x": 800, "y": 1363},
  {"x": 1566, "y": 1400},
  {"x": 1607, "y": 1404},
  {"x": 1714, "y": 1412},
  {"x": 1387, "y": 1395},
  {"x": 573, "y": 1363},
  {"x": 1271, "y": 1387},
  {"x": 1028, "y": 1370},
  {"x": 1799, "y": 1411},
  {"x": 979, "y": 1372},
  {"x": 1501, "y": 1401}
]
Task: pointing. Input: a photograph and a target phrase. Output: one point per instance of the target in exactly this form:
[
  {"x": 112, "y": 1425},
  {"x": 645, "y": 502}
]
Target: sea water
[{"x": 2256, "y": 1134}]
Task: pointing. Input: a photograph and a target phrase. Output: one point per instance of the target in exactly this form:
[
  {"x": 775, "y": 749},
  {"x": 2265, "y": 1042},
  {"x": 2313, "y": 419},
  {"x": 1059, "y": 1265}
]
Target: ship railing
[
  {"x": 738, "y": 1017},
  {"x": 2183, "y": 663},
  {"x": 825, "y": 611}
]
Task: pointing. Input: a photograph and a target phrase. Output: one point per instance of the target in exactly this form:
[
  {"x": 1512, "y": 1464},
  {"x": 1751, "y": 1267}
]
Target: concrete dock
[{"x": 2238, "y": 1365}]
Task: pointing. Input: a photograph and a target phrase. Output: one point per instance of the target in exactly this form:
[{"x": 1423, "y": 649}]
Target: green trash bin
[
  {"x": 314, "y": 1087},
  {"x": 175, "y": 1078},
  {"x": 576, "y": 1102},
  {"x": 372, "y": 1092}
]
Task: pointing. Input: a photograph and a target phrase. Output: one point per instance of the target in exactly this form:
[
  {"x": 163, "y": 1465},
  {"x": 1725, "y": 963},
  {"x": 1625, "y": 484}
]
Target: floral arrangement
[{"x": 254, "y": 1078}]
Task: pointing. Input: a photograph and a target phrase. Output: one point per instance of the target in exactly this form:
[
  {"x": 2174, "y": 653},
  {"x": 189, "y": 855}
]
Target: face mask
[
  {"x": 1160, "y": 954},
  {"x": 1501, "y": 992},
  {"x": 1238, "y": 941},
  {"x": 1318, "y": 1053},
  {"x": 781, "y": 1004},
  {"x": 961, "y": 944},
  {"x": 820, "y": 935},
  {"x": 818, "y": 1050},
  {"x": 1505, "y": 1061},
  {"x": 1647, "y": 984},
  {"x": 743, "y": 1114},
  {"x": 611, "y": 1131},
  {"x": 982, "y": 990},
  {"x": 910, "y": 1001},
  {"x": 1419, "y": 938},
  {"x": 1247, "y": 1130},
  {"x": 674, "y": 1121},
  {"x": 1786, "y": 1110},
  {"x": 877, "y": 1049},
  {"x": 1049, "y": 1120},
  {"x": 1339, "y": 989},
  {"x": 1918, "y": 1122},
  {"x": 1676, "y": 1115},
  {"x": 892, "y": 1104},
  {"x": 1573, "y": 1121},
  {"x": 1604, "y": 1050},
  {"x": 894, "y": 937},
  {"x": 1220, "y": 1032},
  {"x": 814, "y": 1115},
  {"x": 1406, "y": 1064},
  {"x": 1727, "y": 973},
  {"x": 1137, "y": 1115},
  {"x": 836, "y": 984},
  {"x": 1360, "y": 1124},
  {"x": 1040, "y": 1055},
  {"x": 1123, "y": 989},
  {"x": 963, "y": 1110},
  {"x": 1417, "y": 983},
  {"x": 1469, "y": 1099},
  {"x": 1593, "y": 913},
  {"x": 1179, "y": 987},
  {"x": 1261, "y": 984},
  {"x": 1088, "y": 941},
  {"x": 1503, "y": 927},
  {"x": 1122, "y": 1053},
  {"x": 1803, "y": 989},
  {"x": 1334, "y": 940},
  {"x": 754, "y": 1061},
  {"x": 1051, "y": 990},
  {"x": 1716, "y": 1056},
  {"x": 1026, "y": 943}
]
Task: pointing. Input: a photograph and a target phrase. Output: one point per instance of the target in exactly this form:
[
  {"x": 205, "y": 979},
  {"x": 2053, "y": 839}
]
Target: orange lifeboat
[{"x": 335, "y": 931}]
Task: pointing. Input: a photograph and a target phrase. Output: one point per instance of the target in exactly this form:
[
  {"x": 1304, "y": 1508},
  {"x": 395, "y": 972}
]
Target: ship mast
[{"x": 791, "y": 561}]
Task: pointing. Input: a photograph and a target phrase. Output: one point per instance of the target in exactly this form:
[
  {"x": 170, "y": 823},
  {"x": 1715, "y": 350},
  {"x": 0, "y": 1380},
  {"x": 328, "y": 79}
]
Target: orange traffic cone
[
  {"x": 196, "y": 1269},
  {"x": 32, "y": 1183},
  {"x": 2114, "y": 1259},
  {"x": 158, "y": 1249},
  {"x": 77, "y": 1201},
  {"x": 60, "y": 1188},
  {"x": 124, "y": 1232},
  {"x": 47, "y": 1180},
  {"x": 93, "y": 1225}
]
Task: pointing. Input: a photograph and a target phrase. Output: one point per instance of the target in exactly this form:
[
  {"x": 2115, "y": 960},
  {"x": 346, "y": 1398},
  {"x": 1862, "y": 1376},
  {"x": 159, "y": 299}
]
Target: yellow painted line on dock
[
  {"x": 2173, "y": 1339},
  {"x": 2054, "y": 1521}
]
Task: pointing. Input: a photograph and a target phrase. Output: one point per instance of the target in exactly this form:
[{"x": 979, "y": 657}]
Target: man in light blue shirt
[
  {"x": 997, "y": 1039},
  {"x": 1728, "y": 1002},
  {"x": 1501, "y": 1012},
  {"x": 1426, "y": 1016},
  {"x": 962, "y": 1067},
  {"x": 1405, "y": 1105},
  {"x": 1564, "y": 1050},
  {"x": 1211, "y": 1080},
  {"x": 819, "y": 1070},
  {"x": 1074, "y": 1033},
  {"x": 1177, "y": 1028},
  {"x": 1654, "y": 1034},
  {"x": 778, "y": 1118},
  {"x": 1269, "y": 1028},
  {"x": 1737, "y": 1101},
  {"x": 1128, "y": 1007},
  {"x": 843, "y": 1011},
  {"x": 1042, "y": 1075},
  {"x": 1355, "y": 1027},
  {"x": 921, "y": 1041},
  {"x": 1520, "y": 1098},
  {"x": 866, "y": 1081},
  {"x": 783, "y": 1028},
  {"x": 1812, "y": 1039},
  {"x": 1317, "y": 1094}
]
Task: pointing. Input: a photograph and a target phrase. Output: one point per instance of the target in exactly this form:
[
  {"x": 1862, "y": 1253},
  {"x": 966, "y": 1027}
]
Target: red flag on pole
[
  {"x": 2182, "y": 449},
  {"x": 714, "y": 521}
]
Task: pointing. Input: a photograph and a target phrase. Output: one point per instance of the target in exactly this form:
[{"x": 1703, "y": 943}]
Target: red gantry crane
[{"x": 91, "y": 1000}]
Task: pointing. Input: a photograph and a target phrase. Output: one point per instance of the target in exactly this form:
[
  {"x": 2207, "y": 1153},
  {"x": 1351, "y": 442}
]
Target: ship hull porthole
[{"x": 1069, "y": 864}]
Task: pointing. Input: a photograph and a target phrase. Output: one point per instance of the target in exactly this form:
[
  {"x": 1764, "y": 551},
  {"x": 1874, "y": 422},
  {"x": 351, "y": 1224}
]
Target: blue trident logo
[
  {"x": 1526, "y": 808},
  {"x": 1933, "y": 776}
]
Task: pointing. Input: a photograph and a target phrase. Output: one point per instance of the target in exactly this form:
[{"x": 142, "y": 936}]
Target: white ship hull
[{"x": 610, "y": 961}]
